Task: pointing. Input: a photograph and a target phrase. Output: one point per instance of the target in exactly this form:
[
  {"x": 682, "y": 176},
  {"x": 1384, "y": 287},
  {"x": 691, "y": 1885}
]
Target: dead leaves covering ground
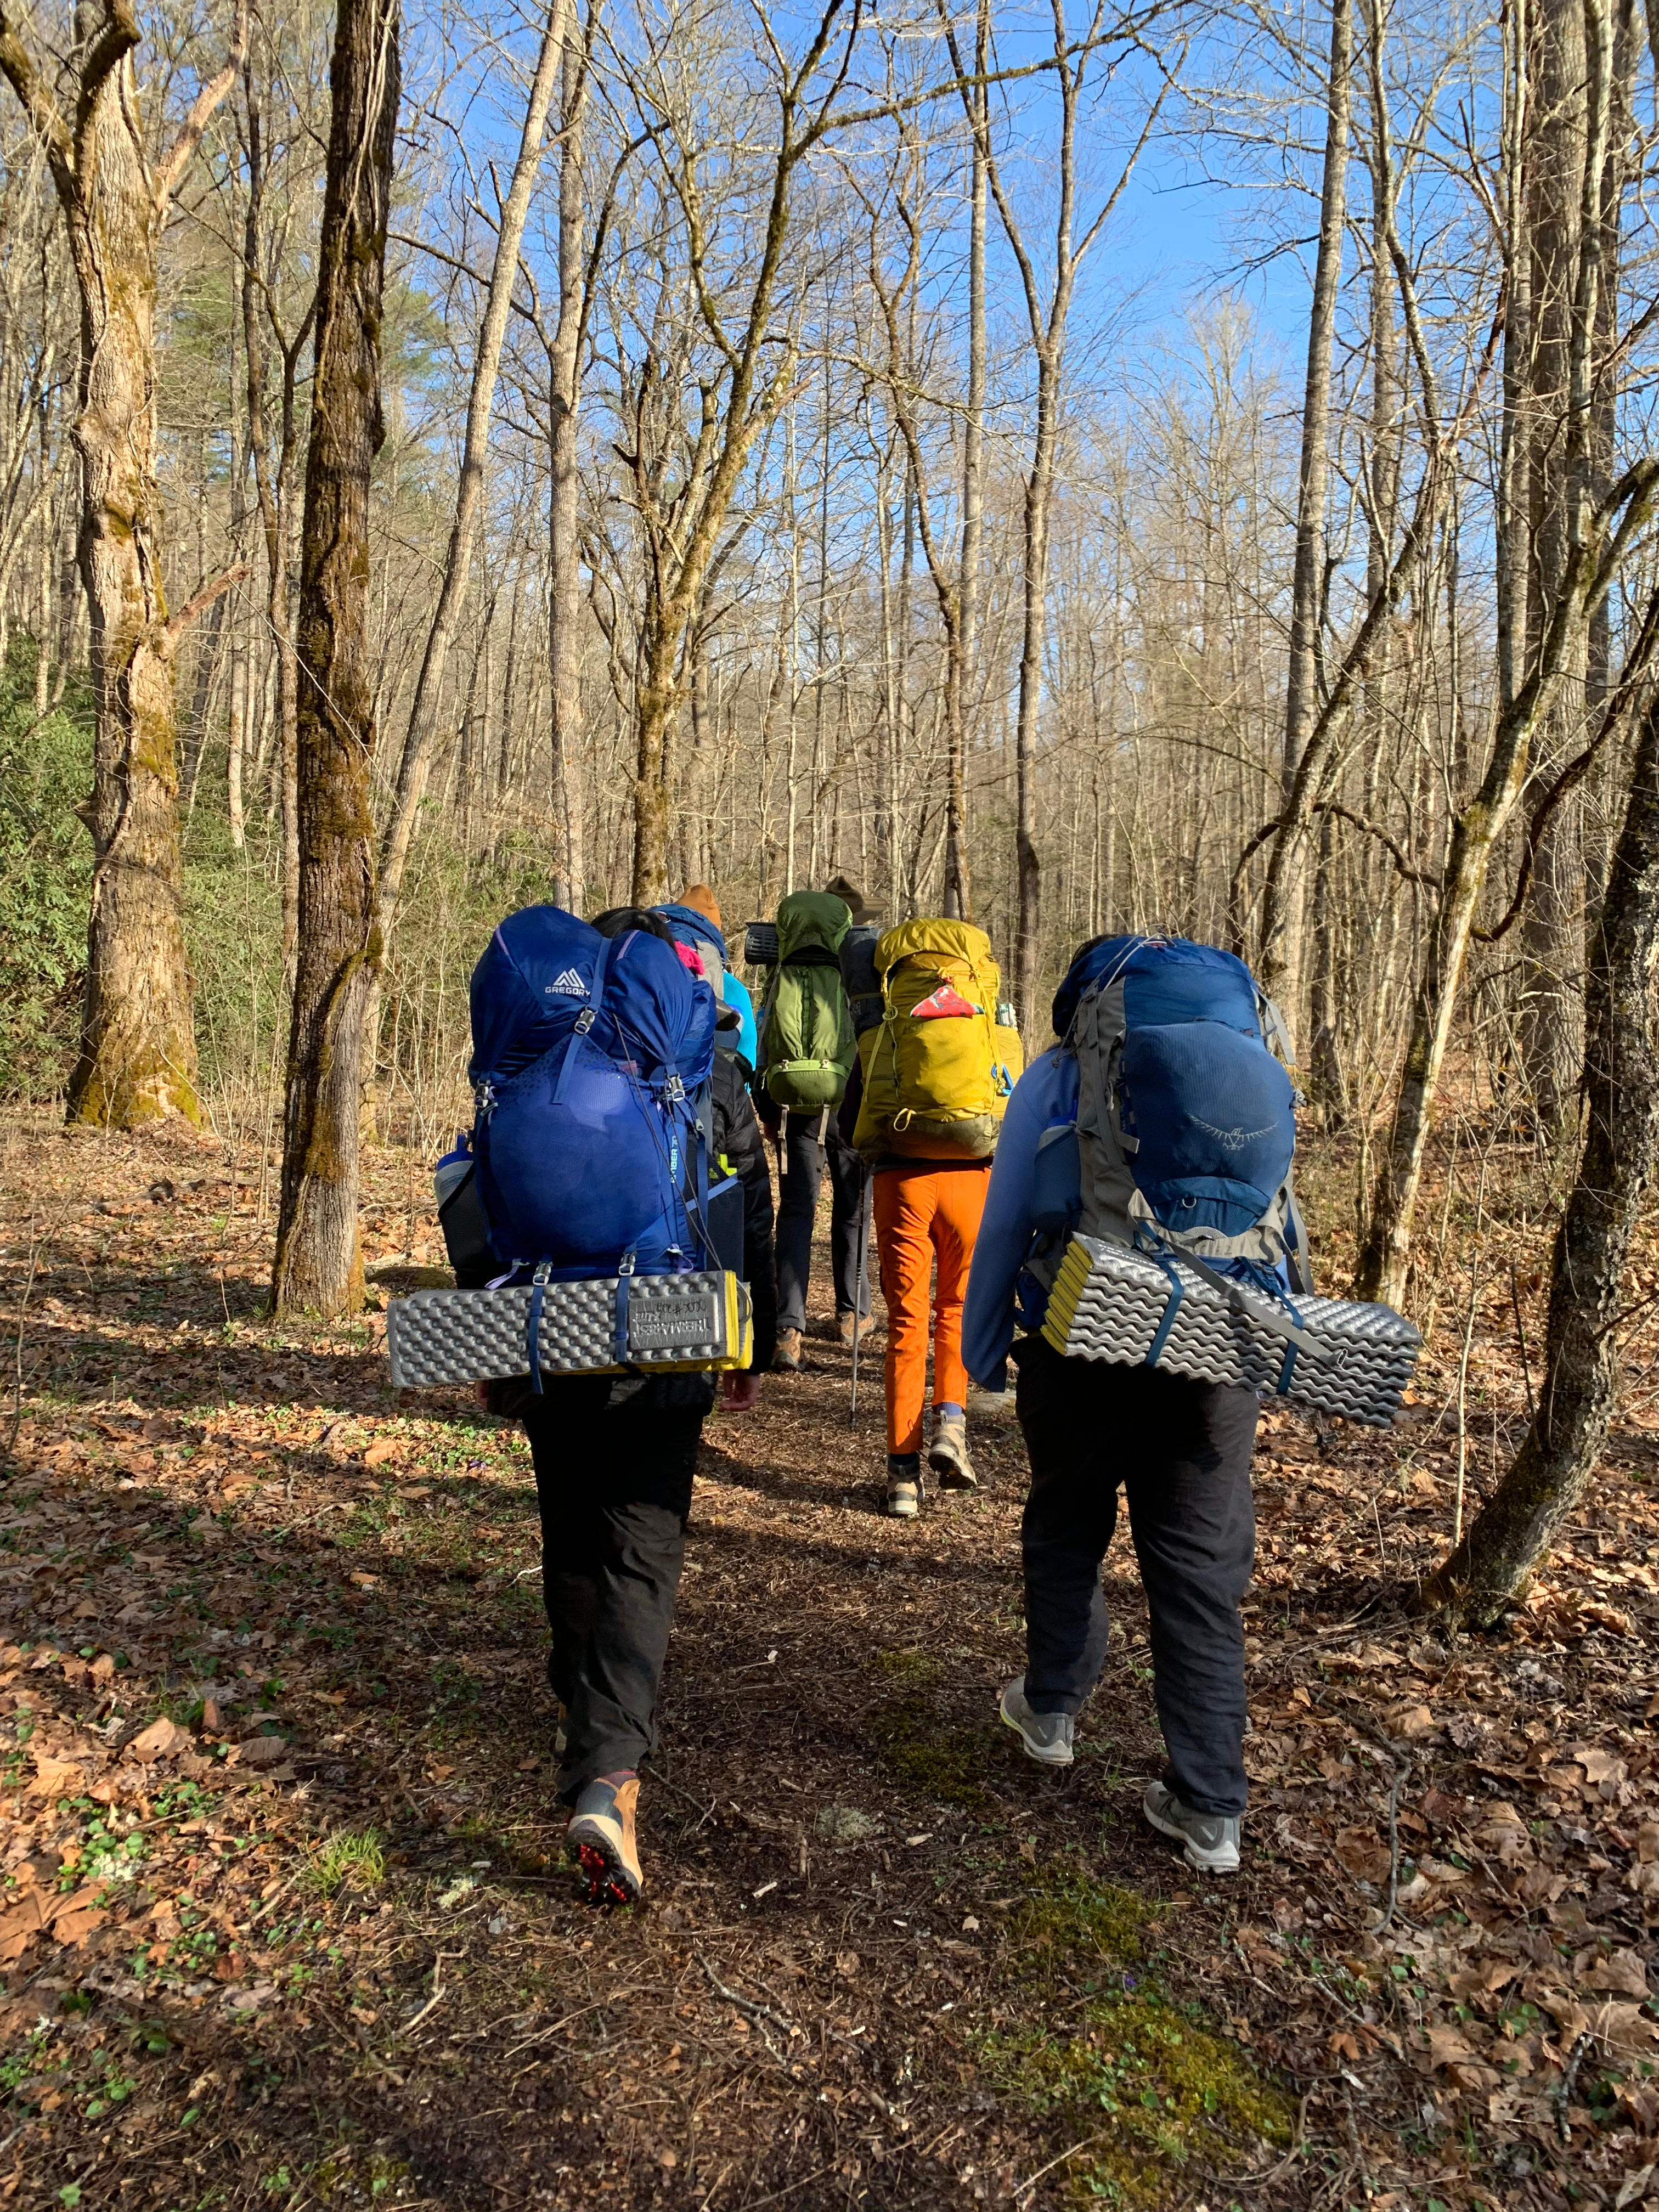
[{"x": 285, "y": 1920}]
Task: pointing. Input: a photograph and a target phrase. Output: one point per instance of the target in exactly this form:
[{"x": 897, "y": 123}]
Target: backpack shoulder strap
[{"x": 1275, "y": 1030}]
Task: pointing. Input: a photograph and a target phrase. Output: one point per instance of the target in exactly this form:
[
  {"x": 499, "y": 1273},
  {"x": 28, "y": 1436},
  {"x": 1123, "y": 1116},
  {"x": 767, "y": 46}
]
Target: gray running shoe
[
  {"x": 904, "y": 1484},
  {"x": 948, "y": 1457},
  {"x": 1210, "y": 1839},
  {"x": 1047, "y": 1736}
]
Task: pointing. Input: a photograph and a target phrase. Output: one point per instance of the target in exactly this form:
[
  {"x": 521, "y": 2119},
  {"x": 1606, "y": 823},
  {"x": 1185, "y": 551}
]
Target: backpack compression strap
[
  {"x": 532, "y": 1328},
  {"x": 588, "y": 1016}
]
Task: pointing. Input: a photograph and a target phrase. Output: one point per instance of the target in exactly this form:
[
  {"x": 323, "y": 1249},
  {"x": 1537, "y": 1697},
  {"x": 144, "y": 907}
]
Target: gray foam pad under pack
[
  {"x": 1108, "y": 1302},
  {"x": 479, "y": 1336}
]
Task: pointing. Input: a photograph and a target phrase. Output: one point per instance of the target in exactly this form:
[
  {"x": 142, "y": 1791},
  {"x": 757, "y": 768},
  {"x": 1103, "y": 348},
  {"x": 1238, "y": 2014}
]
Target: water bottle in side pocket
[{"x": 462, "y": 1218}]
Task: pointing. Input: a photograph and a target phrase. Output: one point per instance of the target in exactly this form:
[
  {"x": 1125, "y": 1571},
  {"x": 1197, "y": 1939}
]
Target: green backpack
[{"x": 807, "y": 1046}]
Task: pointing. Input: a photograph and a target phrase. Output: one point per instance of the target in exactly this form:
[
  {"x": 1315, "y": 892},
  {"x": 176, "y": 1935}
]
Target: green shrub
[{"x": 45, "y": 879}]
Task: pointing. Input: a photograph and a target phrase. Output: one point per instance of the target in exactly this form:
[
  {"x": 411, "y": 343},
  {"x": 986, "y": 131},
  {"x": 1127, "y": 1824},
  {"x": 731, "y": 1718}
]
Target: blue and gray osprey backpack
[
  {"x": 1185, "y": 1127},
  {"x": 590, "y": 1071}
]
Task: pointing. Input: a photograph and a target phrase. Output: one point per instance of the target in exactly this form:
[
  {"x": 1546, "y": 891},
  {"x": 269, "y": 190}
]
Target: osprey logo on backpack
[
  {"x": 570, "y": 983},
  {"x": 1232, "y": 1140}
]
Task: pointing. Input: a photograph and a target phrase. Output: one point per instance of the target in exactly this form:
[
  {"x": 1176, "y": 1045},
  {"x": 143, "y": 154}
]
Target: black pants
[
  {"x": 613, "y": 1479},
  {"x": 1182, "y": 1451},
  {"x": 802, "y": 1169}
]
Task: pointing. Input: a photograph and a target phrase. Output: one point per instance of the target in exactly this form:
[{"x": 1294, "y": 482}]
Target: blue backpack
[
  {"x": 1185, "y": 1127},
  {"x": 591, "y": 1065}
]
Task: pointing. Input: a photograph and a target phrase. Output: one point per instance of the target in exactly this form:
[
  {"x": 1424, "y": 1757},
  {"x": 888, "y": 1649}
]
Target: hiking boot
[
  {"x": 1047, "y": 1736},
  {"x": 948, "y": 1456},
  {"x": 904, "y": 1484},
  {"x": 844, "y": 1330},
  {"x": 601, "y": 1833},
  {"x": 787, "y": 1357},
  {"x": 1210, "y": 1839}
]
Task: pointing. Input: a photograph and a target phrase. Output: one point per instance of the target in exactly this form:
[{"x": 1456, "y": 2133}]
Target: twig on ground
[
  {"x": 1023, "y": 2188},
  {"x": 1567, "y": 2084},
  {"x": 439, "y": 1992},
  {"x": 760, "y": 2012},
  {"x": 708, "y": 1812},
  {"x": 1394, "y": 1788},
  {"x": 778, "y": 2195}
]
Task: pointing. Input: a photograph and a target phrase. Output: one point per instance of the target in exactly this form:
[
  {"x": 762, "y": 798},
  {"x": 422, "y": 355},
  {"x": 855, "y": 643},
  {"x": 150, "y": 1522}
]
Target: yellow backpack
[{"x": 939, "y": 1066}]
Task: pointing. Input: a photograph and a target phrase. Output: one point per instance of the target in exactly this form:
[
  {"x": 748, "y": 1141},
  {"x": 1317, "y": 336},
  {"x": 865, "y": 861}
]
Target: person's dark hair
[{"x": 617, "y": 921}]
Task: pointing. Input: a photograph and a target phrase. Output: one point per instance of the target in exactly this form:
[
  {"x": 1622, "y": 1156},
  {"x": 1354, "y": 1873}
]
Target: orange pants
[{"x": 924, "y": 1214}]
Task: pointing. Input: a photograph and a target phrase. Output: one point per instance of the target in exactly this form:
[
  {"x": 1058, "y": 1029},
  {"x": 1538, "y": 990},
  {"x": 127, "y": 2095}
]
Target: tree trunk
[
  {"x": 137, "y": 1056},
  {"x": 1280, "y": 959},
  {"x": 273, "y": 490},
  {"x": 1492, "y": 1566},
  {"x": 1551, "y": 1002},
  {"x": 565, "y": 597},
  {"x": 137, "y": 1059},
  {"x": 658, "y": 705},
  {"x": 1038, "y": 490},
  {"x": 958, "y": 884},
  {"x": 318, "y": 1265}
]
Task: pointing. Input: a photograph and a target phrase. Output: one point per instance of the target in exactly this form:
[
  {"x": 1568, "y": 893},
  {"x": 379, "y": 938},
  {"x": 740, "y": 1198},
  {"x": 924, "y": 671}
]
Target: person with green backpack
[{"x": 807, "y": 1051}]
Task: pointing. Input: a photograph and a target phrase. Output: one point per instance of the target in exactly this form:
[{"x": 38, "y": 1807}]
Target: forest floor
[{"x": 286, "y": 1919}]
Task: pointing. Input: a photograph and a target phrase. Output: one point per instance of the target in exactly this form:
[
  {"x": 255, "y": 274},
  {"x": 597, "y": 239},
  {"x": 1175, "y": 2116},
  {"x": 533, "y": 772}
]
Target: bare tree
[
  {"x": 1279, "y": 961},
  {"x": 319, "y": 1261},
  {"x": 751, "y": 368},
  {"x": 1047, "y": 314},
  {"x": 137, "y": 1059},
  {"x": 1497, "y": 1558},
  {"x": 1599, "y": 534},
  {"x": 416, "y": 761}
]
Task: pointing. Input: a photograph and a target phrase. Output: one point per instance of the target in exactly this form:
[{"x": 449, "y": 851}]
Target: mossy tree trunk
[
  {"x": 137, "y": 1056},
  {"x": 318, "y": 1266},
  {"x": 1620, "y": 1087}
]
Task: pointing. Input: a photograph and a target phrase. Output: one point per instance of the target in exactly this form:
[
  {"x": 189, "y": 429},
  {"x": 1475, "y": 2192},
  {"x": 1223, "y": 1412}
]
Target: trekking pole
[{"x": 858, "y": 1288}]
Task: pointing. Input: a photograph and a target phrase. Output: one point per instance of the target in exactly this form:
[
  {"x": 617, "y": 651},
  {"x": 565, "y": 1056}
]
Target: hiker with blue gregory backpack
[
  {"x": 1161, "y": 1120},
  {"x": 613, "y": 1140}
]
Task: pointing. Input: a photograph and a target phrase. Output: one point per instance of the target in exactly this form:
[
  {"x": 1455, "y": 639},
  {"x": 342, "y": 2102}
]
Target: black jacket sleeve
[{"x": 739, "y": 1142}]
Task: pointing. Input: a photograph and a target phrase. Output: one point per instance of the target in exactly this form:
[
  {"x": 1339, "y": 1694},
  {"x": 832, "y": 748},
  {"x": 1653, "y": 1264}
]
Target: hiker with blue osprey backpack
[
  {"x": 1160, "y": 1125},
  {"x": 615, "y": 1156}
]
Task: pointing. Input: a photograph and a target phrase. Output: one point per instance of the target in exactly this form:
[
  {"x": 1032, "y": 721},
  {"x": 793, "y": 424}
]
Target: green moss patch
[
  {"x": 944, "y": 1762},
  {"x": 918, "y": 1744},
  {"x": 1068, "y": 1923},
  {"x": 1147, "y": 2091}
]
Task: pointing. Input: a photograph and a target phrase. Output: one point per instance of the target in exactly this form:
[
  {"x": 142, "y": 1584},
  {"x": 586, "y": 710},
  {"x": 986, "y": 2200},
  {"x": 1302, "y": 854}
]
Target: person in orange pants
[{"x": 928, "y": 1215}]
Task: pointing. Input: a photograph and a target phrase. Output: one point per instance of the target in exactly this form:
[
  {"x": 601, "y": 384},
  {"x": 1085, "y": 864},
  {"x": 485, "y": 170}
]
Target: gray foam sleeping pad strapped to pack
[
  {"x": 1109, "y": 1302},
  {"x": 671, "y": 1323}
]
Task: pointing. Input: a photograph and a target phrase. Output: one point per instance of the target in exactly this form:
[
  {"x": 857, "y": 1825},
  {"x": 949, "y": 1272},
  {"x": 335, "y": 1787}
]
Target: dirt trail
[{"x": 287, "y": 1921}]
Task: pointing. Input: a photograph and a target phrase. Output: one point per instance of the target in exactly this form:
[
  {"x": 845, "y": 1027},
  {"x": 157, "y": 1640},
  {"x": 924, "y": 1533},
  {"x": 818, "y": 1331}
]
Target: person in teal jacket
[{"x": 695, "y": 916}]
